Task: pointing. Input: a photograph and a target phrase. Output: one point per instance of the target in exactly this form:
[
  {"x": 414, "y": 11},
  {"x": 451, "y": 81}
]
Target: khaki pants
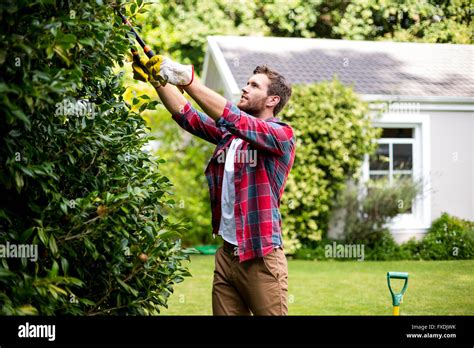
[{"x": 258, "y": 286}]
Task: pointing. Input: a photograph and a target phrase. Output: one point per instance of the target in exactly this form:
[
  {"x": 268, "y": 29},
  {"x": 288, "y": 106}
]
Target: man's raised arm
[
  {"x": 210, "y": 101},
  {"x": 273, "y": 137},
  {"x": 190, "y": 119}
]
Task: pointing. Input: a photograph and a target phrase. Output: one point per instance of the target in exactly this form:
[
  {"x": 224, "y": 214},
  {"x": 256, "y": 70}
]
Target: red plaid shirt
[{"x": 258, "y": 186}]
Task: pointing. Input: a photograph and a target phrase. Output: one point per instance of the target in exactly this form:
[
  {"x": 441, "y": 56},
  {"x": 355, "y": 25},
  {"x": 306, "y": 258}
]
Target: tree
[
  {"x": 180, "y": 27},
  {"x": 75, "y": 182},
  {"x": 421, "y": 21}
]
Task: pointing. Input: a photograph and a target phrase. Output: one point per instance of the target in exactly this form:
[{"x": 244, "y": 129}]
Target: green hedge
[
  {"x": 333, "y": 133},
  {"x": 74, "y": 180},
  {"x": 449, "y": 238}
]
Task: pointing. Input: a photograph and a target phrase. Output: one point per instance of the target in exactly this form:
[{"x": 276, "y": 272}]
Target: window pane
[
  {"x": 397, "y": 133},
  {"x": 402, "y": 156},
  {"x": 397, "y": 176},
  {"x": 378, "y": 177},
  {"x": 380, "y": 161}
]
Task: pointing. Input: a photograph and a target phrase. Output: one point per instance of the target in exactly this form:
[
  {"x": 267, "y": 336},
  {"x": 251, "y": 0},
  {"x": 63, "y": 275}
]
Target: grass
[{"x": 347, "y": 288}]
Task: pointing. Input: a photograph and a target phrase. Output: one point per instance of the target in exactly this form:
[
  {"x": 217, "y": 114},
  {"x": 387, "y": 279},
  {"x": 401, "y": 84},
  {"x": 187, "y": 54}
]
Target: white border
[
  {"x": 213, "y": 51},
  {"x": 420, "y": 221}
]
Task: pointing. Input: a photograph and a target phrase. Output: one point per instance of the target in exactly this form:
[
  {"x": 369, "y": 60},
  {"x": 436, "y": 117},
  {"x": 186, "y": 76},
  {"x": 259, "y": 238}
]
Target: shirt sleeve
[
  {"x": 198, "y": 124},
  {"x": 274, "y": 137}
]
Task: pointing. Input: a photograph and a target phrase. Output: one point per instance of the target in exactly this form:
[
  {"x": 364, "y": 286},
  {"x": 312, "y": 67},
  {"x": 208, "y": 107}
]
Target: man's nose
[{"x": 244, "y": 89}]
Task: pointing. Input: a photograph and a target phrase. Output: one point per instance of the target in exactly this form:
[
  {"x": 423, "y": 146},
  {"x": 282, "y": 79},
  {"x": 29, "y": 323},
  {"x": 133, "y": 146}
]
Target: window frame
[{"x": 420, "y": 217}]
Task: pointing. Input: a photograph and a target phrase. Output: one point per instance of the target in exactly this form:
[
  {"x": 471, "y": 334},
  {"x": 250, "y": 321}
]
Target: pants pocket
[{"x": 273, "y": 263}]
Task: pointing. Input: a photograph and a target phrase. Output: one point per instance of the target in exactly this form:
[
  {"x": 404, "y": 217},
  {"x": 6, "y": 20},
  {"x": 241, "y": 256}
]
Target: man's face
[{"x": 254, "y": 96}]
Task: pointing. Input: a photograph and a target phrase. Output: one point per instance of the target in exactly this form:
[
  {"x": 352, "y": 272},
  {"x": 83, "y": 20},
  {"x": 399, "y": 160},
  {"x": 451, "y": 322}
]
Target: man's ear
[{"x": 272, "y": 101}]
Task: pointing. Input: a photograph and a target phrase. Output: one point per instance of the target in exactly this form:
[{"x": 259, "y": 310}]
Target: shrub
[
  {"x": 383, "y": 249},
  {"x": 333, "y": 133},
  {"x": 410, "y": 250},
  {"x": 315, "y": 251},
  {"x": 449, "y": 238},
  {"x": 74, "y": 180},
  {"x": 367, "y": 213}
]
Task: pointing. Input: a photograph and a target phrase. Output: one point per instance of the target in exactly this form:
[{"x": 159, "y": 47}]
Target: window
[
  {"x": 394, "y": 156},
  {"x": 404, "y": 151}
]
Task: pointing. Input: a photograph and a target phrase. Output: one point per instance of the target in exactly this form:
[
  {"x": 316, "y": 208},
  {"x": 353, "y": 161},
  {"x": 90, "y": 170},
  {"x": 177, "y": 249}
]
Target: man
[{"x": 251, "y": 272}]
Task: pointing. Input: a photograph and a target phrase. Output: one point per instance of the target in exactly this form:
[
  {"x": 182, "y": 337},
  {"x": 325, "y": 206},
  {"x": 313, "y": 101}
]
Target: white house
[{"x": 425, "y": 93}]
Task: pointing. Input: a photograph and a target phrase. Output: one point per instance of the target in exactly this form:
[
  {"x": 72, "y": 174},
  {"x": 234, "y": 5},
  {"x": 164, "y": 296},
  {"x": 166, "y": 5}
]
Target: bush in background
[
  {"x": 74, "y": 179},
  {"x": 368, "y": 211},
  {"x": 333, "y": 133},
  {"x": 449, "y": 238}
]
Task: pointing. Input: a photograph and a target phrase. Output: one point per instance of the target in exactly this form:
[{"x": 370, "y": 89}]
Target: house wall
[
  {"x": 452, "y": 164},
  {"x": 451, "y": 174},
  {"x": 213, "y": 79}
]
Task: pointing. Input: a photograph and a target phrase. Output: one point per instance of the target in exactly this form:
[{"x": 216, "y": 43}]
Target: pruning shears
[{"x": 147, "y": 49}]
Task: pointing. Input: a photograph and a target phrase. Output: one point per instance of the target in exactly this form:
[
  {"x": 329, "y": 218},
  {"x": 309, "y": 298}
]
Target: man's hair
[{"x": 278, "y": 86}]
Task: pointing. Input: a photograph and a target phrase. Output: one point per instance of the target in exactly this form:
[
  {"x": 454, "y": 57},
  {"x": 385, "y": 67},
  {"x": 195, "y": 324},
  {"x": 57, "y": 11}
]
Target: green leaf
[
  {"x": 62, "y": 54},
  {"x": 143, "y": 107},
  {"x": 127, "y": 287},
  {"x": 54, "y": 270},
  {"x": 87, "y": 41},
  {"x": 58, "y": 289},
  {"x": 64, "y": 265},
  {"x": 63, "y": 207},
  {"x": 27, "y": 171},
  {"x": 27, "y": 310},
  {"x": 52, "y": 245},
  {"x": 42, "y": 235},
  {"x": 67, "y": 41},
  {"x": 19, "y": 180},
  {"x": 21, "y": 116},
  {"x": 26, "y": 234}
]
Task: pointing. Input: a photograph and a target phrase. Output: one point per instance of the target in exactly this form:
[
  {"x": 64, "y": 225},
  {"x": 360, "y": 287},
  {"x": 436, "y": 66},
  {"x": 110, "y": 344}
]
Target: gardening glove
[
  {"x": 172, "y": 72},
  {"x": 140, "y": 72}
]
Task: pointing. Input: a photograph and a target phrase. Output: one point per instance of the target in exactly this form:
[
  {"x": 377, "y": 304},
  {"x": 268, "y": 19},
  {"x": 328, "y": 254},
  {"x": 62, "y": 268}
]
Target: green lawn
[{"x": 347, "y": 288}]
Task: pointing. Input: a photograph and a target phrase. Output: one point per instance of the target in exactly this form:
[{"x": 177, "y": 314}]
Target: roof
[{"x": 372, "y": 67}]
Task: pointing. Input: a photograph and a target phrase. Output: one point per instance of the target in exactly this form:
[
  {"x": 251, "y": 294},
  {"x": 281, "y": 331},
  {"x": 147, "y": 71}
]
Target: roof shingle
[{"x": 373, "y": 67}]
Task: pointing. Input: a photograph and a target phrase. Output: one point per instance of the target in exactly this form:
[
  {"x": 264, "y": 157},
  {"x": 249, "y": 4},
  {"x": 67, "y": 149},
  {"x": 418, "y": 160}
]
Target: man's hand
[
  {"x": 140, "y": 72},
  {"x": 160, "y": 67}
]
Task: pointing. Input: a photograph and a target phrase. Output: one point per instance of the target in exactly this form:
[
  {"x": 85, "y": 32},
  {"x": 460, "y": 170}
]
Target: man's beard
[{"x": 253, "y": 108}]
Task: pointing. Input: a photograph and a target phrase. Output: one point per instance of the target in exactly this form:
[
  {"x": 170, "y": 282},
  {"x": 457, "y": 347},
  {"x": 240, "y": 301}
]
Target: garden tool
[
  {"x": 148, "y": 51},
  {"x": 397, "y": 298}
]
